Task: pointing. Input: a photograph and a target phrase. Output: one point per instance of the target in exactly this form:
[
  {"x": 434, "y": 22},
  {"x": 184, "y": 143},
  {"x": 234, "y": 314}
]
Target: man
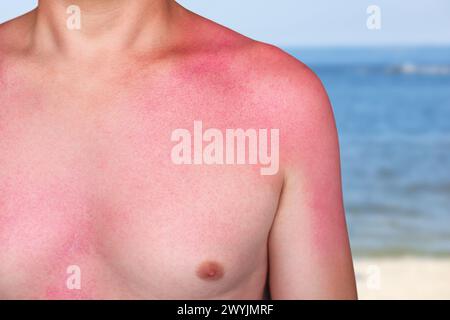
[{"x": 100, "y": 195}]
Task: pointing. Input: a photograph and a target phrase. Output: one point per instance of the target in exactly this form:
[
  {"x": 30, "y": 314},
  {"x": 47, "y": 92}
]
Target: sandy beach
[{"x": 403, "y": 278}]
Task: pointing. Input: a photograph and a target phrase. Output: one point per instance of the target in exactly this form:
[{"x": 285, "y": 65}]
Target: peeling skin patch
[{"x": 210, "y": 271}]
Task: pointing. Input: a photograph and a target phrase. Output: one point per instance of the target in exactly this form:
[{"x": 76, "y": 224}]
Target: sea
[{"x": 392, "y": 109}]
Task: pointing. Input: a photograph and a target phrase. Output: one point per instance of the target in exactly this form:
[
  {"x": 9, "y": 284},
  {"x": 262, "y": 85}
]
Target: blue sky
[{"x": 316, "y": 22}]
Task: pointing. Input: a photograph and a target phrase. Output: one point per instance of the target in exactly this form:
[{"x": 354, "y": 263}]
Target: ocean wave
[
  {"x": 415, "y": 69},
  {"x": 408, "y": 69}
]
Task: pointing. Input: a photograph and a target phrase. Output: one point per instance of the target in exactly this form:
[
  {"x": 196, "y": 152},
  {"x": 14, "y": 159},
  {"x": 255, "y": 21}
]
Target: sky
[{"x": 291, "y": 23}]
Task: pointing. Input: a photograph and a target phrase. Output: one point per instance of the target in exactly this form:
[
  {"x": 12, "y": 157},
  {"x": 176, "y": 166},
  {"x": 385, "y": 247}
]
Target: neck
[{"x": 87, "y": 27}]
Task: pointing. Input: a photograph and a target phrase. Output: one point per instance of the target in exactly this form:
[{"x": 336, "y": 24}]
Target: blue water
[{"x": 392, "y": 108}]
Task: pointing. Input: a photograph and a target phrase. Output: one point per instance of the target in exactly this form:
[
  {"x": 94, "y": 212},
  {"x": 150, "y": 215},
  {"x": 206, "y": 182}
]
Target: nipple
[{"x": 210, "y": 271}]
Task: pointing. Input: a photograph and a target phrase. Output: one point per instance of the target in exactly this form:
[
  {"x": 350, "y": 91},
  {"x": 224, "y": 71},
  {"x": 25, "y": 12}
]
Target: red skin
[{"x": 86, "y": 177}]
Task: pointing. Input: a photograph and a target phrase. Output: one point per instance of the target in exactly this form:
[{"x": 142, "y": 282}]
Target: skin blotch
[{"x": 210, "y": 271}]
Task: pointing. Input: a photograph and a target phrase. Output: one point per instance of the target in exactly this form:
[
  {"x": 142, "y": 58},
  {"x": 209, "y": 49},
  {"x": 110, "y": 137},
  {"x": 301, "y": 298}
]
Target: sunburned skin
[{"x": 87, "y": 181}]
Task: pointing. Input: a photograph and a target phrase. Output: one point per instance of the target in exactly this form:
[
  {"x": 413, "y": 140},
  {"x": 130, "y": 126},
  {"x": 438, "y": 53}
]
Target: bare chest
[{"x": 100, "y": 194}]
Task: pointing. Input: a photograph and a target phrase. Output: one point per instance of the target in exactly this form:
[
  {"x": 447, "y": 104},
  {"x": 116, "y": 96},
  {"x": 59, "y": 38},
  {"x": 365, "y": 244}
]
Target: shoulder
[
  {"x": 279, "y": 89},
  {"x": 295, "y": 99},
  {"x": 284, "y": 89},
  {"x": 15, "y": 34},
  {"x": 289, "y": 82},
  {"x": 15, "y": 38},
  {"x": 266, "y": 70}
]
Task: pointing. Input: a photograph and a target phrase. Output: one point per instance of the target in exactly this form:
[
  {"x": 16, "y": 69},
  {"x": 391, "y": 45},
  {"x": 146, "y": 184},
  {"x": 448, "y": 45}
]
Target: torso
[{"x": 86, "y": 179}]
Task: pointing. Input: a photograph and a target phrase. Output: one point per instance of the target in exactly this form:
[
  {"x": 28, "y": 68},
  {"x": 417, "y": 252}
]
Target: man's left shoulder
[
  {"x": 282, "y": 84},
  {"x": 271, "y": 61}
]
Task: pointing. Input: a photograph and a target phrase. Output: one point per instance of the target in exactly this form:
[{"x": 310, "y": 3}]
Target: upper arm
[{"x": 309, "y": 252}]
